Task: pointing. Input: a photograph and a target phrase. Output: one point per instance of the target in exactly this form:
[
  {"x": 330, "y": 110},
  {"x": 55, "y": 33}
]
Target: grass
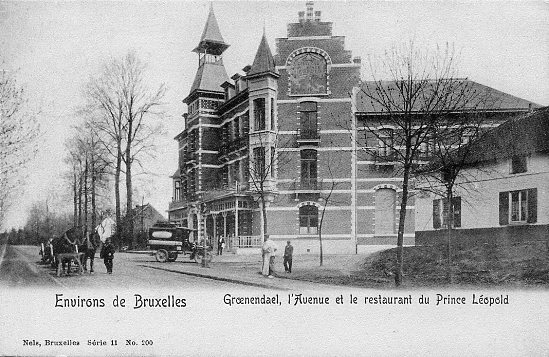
[{"x": 515, "y": 265}]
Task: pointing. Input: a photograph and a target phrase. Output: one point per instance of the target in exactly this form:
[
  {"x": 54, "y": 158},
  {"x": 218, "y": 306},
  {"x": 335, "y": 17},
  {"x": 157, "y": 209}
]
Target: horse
[
  {"x": 88, "y": 246},
  {"x": 61, "y": 245}
]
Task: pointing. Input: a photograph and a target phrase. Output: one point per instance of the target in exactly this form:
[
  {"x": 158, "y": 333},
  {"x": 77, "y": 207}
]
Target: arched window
[
  {"x": 385, "y": 201},
  {"x": 308, "y": 219}
]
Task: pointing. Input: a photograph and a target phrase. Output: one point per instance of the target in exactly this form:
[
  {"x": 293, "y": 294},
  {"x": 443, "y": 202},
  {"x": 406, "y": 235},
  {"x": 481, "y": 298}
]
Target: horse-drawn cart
[{"x": 167, "y": 241}]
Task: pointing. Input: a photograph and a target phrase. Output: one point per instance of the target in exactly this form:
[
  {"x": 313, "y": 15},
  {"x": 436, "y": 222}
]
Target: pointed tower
[
  {"x": 211, "y": 71},
  {"x": 263, "y": 89},
  {"x": 199, "y": 141}
]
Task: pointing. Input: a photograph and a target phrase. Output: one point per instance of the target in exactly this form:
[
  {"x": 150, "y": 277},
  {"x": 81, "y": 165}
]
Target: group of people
[
  {"x": 89, "y": 247},
  {"x": 268, "y": 251}
]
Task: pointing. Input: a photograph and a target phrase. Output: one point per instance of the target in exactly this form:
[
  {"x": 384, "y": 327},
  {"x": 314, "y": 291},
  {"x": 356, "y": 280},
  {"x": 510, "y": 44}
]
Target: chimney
[
  {"x": 317, "y": 16},
  {"x": 310, "y": 10}
]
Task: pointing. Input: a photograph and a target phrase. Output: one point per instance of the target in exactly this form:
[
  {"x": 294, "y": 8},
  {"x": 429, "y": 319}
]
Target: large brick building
[{"x": 295, "y": 119}]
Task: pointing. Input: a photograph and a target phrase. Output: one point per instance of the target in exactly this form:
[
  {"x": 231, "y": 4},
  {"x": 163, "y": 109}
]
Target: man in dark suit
[{"x": 288, "y": 255}]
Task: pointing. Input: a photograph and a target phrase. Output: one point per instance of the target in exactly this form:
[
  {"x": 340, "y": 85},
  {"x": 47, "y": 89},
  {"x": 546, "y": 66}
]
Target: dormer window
[{"x": 518, "y": 164}]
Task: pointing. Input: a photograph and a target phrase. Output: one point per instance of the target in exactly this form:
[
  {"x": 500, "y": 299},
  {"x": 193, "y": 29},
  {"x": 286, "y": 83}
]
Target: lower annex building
[{"x": 290, "y": 127}]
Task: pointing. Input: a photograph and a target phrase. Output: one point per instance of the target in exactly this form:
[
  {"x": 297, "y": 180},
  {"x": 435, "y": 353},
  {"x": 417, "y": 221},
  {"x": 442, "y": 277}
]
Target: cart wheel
[
  {"x": 172, "y": 257},
  {"x": 161, "y": 255},
  {"x": 209, "y": 256},
  {"x": 198, "y": 257}
]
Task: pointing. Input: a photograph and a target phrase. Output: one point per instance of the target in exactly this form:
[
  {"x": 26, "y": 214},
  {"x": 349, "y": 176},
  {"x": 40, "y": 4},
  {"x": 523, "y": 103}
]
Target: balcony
[
  {"x": 233, "y": 146},
  {"x": 306, "y": 185},
  {"x": 308, "y": 136},
  {"x": 224, "y": 191}
]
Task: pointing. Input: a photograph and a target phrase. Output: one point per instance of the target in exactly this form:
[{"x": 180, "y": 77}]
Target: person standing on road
[
  {"x": 288, "y": 254},
  {"x": 268, "y": 250},
  {"x": 107, "y": 253},
  {"x": 220, "y": 245}
]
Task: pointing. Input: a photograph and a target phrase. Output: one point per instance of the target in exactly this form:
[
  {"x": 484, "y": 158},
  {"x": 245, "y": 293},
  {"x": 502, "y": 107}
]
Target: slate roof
[
  {"x": 522, "y": 135},
  {"x": 211, "y": 39},
  {"x": 264, "y": 61},
  {"x": 209, "y": 77},
  {"x": 492, "y": 99}
]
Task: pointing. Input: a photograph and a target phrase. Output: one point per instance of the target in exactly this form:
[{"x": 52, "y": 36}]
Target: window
[
  {"x": 273, "y": 126},
  {"x": 259, "y": 113},
  {"x": 518, "y": 206},
  {"x": 426, "y": 149},
  {"x": 259, "y": 163},
  {"x": 518, "y": 164},
  {"x": 308, "y": 169},
  {"x": 177, "y": 191},
  {"x": 272, "y": 163},
  {"x": 441, "y": 211},
  {"x": 308, "y": 219},
  {"x": 385, "y": 143},
  {"x": 308, "y": 120}
]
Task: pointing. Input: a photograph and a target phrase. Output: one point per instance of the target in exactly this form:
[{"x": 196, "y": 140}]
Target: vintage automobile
[{"x": 168, "y": 240}]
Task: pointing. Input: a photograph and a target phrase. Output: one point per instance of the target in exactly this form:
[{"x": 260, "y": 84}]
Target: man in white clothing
[{"x": 268, "y": 251}]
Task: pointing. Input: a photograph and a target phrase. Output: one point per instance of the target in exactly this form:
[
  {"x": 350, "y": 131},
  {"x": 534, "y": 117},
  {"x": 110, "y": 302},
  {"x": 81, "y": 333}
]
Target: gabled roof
[
  {"x": 523, "y": 135},
  {"x": 486, "y": 98},
  {"x": 263, "y": 61},
  {"x": 211, "y": 40}
]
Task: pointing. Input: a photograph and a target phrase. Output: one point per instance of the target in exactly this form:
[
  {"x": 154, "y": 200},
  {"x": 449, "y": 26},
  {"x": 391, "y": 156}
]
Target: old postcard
[{"x": 244, "y": 178}]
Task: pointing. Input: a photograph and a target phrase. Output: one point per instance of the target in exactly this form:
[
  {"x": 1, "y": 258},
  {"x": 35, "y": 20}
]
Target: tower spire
[
  {"x": 263, "y": 61},
  {"x": 211, "y": 41}
]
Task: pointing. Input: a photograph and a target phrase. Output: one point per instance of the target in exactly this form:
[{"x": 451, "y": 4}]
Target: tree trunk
[
  {"x": 264, "y": 216},
  {"x": 450, "y": 224},
  {"x": 75, "y": 199},
  {"x": 86, "y": 172},
  {"x": 129, "y": 205},
  {"x": 117, "y": 193},
  {"x": 79, "y": 224},
  {"x": 399, "y": 270},
  {"x": 93, "y": 193},
  {"x": 320, "y": 234}
]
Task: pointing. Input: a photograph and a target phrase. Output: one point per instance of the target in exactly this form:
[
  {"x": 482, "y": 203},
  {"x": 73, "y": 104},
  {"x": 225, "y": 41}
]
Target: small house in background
[
  {"x": 144, "y": 217},
  {"x": 503, "y": 192}
]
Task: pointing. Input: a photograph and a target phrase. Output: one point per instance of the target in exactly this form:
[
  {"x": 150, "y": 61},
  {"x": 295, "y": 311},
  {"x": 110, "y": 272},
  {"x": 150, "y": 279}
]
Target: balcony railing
[
  {"x": 308, "y": 134},
  {"x": 246, "y": 242},
  {"x": 307, "y": 184},
  {"x": 233, "y": 146},
  {"x": 223, "y": 191}
]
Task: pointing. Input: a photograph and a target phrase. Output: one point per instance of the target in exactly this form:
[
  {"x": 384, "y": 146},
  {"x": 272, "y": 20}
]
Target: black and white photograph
[{"x": 274, "y": 178}]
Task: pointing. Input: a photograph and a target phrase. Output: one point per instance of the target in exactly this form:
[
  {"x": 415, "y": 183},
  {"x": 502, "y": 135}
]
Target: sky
[{"x": 54, "y": 47}]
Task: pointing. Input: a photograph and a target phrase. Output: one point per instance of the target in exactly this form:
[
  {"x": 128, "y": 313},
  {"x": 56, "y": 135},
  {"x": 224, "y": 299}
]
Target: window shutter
[
  {"x": 532, "y": 205},
  {"x": 456, "y": 202},
  {"x": 436, "y": 214},
  {"x": 503, "y": 208}
]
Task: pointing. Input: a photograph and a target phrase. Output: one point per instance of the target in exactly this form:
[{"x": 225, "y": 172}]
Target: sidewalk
[{"x": 245, "y": 270}]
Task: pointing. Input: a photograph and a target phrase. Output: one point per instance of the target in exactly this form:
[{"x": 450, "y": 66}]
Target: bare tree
[
  {"x": 264, "y": 160},
  {"x": 423, "y": 91},
  {"x": 126, "y": 106},
  {"x": 18, "y": 131},
  {"x": 89, "y": 170}
]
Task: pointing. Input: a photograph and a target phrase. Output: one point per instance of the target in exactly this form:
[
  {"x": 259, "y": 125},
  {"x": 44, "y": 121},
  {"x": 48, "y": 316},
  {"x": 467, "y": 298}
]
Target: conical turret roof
[
  {"x": 211, "y": 40},
  {"x": 264, "y": 61}
]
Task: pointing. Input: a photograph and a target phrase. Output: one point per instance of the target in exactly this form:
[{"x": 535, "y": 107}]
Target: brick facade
[{"x": 302, "y": 105}]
